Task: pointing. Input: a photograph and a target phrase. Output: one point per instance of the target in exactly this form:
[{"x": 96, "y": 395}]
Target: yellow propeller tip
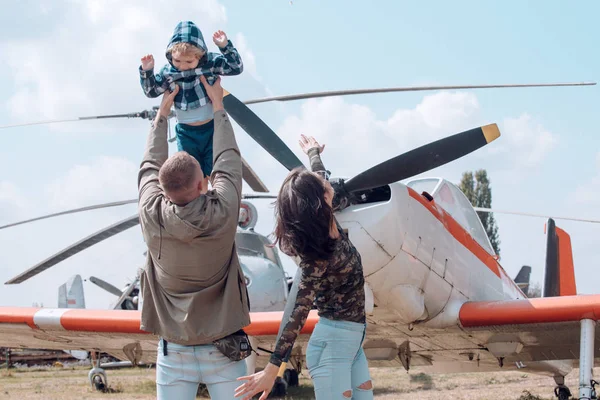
[{"x": 490, "y": 132}]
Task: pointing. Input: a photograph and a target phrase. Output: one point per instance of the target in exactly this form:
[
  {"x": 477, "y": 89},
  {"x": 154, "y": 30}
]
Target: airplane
[{"x": 436, "y": 296}]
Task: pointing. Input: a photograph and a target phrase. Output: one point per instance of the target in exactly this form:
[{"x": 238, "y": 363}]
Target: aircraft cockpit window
[
  {"x": 454, "y": 202},
  {"x": 253, "y": 244}
]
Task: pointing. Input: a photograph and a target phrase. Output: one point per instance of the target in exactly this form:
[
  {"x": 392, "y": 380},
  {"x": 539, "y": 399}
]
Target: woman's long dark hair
[{"x": 303, "y": 217}]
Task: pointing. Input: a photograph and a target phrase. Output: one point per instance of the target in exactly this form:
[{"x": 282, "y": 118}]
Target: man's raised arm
[
  {"x": 226, "y": 177},
  {"x": 157, "y": 151}
]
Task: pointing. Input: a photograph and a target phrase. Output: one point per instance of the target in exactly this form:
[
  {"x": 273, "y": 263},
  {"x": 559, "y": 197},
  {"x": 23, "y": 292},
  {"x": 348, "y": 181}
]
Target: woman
[{"x": 332, "y": 275}]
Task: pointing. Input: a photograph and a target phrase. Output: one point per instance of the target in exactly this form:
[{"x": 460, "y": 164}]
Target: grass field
[{"x": 70, "y": 383}]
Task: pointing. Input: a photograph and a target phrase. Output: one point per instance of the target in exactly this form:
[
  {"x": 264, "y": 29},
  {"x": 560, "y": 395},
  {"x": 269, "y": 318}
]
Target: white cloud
[
  {"x": 105, "y": 179},
  {"x": 529, "y": 139}
]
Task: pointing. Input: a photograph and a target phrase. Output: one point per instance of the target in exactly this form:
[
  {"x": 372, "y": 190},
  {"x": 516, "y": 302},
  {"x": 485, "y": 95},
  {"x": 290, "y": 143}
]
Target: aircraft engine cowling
[{"x": 376, "y": 228}]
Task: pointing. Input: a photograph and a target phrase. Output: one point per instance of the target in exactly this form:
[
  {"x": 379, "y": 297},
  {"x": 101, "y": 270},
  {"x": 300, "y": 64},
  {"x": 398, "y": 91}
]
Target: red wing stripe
[
  {"x": 121, "y": 321},
  {"x": 530, "y": 311},
  {"x": 18, "y": 315},
  {"x": 267, "y": 323},
  {"x": 457, "y": 231}
]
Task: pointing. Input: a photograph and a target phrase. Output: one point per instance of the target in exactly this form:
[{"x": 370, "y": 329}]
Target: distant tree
[
  {"x": 535, "y": 290},
  {"x": 477, "y": 189}
]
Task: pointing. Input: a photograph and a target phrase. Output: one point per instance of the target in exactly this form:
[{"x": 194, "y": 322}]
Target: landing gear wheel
[
  {"x": 98, "y": 379},
  {"x": 279, "y": 388},
  {"x": 291, "y": 377},
  {"x": 562, "y": 392},
  {"x": 202, "y": 390}
]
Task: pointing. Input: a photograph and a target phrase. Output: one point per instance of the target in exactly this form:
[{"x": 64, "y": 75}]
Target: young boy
[{"x": 188, "y": 59}]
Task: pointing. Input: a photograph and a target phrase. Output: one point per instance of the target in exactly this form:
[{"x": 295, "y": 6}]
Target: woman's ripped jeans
[{"x": 337, "y": 364}]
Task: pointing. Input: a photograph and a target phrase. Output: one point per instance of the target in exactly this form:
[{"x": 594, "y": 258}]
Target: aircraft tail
[
  {"x": 70, "y": 293},
  {"x": 522, "y": 279},
  {"x": 560, "y": 273}
]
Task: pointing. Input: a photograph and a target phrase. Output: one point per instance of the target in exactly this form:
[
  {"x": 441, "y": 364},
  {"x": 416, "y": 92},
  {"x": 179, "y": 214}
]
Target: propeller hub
[{"x": 342, "y": 198}]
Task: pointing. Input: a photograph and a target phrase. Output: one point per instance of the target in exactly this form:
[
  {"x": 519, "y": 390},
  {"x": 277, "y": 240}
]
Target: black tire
[
  {"x": 99, "y": 384},
  {"x": 279, "y": 388},
  {"x": 563, "y": 393},
  {"x": 291, "y": 377},
  {"x": 202, "y": 390}
]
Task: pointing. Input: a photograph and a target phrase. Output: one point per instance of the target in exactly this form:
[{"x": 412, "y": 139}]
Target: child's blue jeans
[
  {"x": 198, "y": 142},
  {"x": 336, "y": 361}
]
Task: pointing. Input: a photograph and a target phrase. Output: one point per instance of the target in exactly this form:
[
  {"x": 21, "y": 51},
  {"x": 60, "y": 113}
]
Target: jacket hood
[
  {"x": 190, "y": 221},
  {"x": 186, "y": 32}
]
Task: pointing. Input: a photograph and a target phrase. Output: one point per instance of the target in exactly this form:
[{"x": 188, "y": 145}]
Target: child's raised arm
[
  {"x": 152, "y": 85},
  {"x": 230, "y": 63}
]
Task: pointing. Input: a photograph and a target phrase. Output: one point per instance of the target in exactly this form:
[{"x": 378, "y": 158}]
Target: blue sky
[{"x": 80, "y": 58}]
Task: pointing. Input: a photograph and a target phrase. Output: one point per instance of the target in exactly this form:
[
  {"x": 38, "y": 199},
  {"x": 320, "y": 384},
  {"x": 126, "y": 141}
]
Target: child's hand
[
  {"x": 220, "y": 39},
  {"x": 147, "y": 62}
]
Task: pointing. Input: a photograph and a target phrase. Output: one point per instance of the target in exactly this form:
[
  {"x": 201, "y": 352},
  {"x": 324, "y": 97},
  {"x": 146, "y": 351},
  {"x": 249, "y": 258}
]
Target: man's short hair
[{"x": 178, "y": 172}]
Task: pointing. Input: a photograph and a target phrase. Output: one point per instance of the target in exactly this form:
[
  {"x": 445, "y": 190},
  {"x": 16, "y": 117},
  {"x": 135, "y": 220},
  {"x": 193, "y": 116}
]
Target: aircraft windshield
[
  {"x": 251, "y": 243},
  {"x": 455, "y": 203}
]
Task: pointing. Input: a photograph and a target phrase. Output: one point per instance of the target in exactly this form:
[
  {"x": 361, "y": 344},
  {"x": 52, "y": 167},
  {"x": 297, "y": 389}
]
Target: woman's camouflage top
[{"x": 336, "y": 286}]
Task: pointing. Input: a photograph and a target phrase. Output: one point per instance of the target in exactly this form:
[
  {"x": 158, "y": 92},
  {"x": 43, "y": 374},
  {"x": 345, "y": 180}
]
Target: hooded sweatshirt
[
  {"x": 192, "y": 284},
  {"x": 191, "y": 93}
]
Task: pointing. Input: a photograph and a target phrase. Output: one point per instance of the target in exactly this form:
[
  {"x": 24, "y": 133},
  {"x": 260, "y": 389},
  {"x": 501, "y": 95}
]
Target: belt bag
[{"x": 236, "y": 346}]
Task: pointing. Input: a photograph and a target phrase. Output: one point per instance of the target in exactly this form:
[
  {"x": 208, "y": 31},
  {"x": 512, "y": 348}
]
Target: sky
[{"x": 80, "y": 58}]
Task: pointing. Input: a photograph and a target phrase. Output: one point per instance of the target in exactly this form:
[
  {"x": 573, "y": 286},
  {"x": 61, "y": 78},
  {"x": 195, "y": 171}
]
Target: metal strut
[{"x": 586, "y": 360}]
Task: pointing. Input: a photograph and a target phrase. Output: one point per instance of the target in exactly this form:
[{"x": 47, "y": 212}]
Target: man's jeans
[{"x": 184, "y": 367}]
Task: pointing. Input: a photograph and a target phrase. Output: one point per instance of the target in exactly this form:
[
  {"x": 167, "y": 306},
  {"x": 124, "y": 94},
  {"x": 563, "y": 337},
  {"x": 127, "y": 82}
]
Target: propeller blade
[
  {"x": 423, "y": 158},
  {"x": 106, "y": 286},
  {"x": 260, "y": 132},
  {"x": 252, "y": 178},
  {"x": 75, "y": 210},
  {"x": 490, "y": 210},
  {"x": 76, "y": 248},
  {"x": 143, "y": 114},
  {"x": 125, "y": 293},
  {"x": 406, "y": 89}
]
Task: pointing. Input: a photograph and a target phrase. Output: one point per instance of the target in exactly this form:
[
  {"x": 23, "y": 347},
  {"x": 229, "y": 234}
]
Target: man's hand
[
  {"x": 307, "y": 143},
  {"x": 147, "y": 62},
  {"x": 214, "y": 92},
  {"x": 166, "y": 103},
  {"x": 220, "y": 39}
]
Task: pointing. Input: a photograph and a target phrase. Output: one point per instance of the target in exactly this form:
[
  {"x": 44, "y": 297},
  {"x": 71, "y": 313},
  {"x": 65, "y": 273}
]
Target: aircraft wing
[
  {"x": 539, "y": 329},
  {"x": 116, "y": 332},
  {"x": 540, "y": 334}
]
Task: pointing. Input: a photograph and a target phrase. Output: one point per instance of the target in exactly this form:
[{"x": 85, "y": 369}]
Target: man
[{"x": 193, "y": 288}]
